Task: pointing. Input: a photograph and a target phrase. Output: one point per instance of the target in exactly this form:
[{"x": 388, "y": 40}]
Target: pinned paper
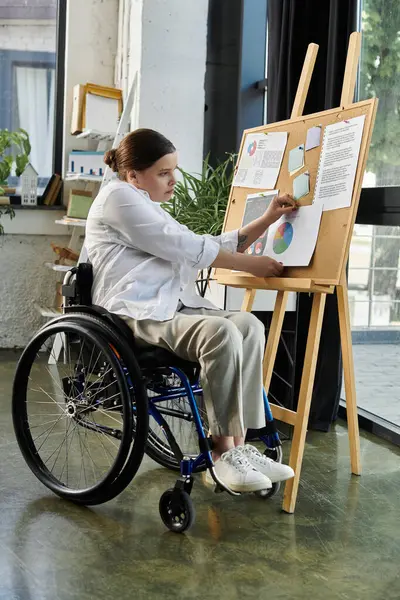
[
  {"x": 256, "y": 205},
  {"x": 338, "y": 163},
  {"x": 313, "y": 137},
  {"x": 261, "y": 160},
  {"x": 296, "y": 158},
  {"x": 301, "y": 185},
  {"x": 293, "y": 238}
]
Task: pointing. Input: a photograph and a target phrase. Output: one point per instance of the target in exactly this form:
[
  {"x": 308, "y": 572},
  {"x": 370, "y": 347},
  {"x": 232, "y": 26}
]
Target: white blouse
[{"x": 144, "y": 261}]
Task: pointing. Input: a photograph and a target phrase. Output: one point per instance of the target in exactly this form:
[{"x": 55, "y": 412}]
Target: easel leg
[
  {"x": 303, "y": 408},
  {"x": 274, "y": 337},
  {"x": 248, "y": 300},
  {"x": 349, "y": 381}
]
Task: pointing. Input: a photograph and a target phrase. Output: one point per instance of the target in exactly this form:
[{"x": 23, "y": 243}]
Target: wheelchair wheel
[
  {"x": 177, "y": 510},
  {"x": 72, "y": 414},
  {"x": 180, "y": 422},
  {"x": 109, "y": 331},
  {"x": 275, "y": 454}
]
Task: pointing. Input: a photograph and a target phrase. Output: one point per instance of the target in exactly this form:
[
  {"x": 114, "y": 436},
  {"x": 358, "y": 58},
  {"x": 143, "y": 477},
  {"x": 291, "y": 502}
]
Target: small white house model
[{"x": 29, "y": 185}]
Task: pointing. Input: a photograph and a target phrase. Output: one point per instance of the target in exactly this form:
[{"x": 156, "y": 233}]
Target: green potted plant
[
  {"x": 14, "y": 147},
  {"x": 200, "y": 202}
]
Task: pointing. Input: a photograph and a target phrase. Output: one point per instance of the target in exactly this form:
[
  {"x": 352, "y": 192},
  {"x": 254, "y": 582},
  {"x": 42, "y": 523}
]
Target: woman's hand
[
  {"x": 263, "y": 266},
  {"x": 259, "y": 266},
  {"x": 280, "y": 205}
]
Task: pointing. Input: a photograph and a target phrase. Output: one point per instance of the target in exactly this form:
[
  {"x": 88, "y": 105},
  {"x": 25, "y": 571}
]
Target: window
[
  {"x": 27, "y": 76},
  {"x": 380, "y": 77},
  {"x": 374, "y": 265},
  {"x": 374, "y": 276}
]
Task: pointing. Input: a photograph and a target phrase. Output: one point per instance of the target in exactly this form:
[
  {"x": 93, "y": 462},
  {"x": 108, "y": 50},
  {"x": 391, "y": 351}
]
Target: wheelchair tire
[
  {"x": 275, "y": 454},
  {"x": 141, "y": 424},
  {"x": 177, "y": 510},
  {"x": 132, "y": 435},
  {"x": 156, "y": 445}
]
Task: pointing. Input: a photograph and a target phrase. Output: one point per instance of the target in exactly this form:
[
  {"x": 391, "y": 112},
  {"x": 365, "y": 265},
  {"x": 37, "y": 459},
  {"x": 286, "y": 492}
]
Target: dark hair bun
[{"x": 110, "y": 158}]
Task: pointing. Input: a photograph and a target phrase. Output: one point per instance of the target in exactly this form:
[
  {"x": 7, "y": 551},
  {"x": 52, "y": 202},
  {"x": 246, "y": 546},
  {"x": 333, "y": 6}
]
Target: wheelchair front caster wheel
[
  {"x": 275, "y": 453},
  {"x": 265, "y": 494},
  {"x": 177, "y": 510}
]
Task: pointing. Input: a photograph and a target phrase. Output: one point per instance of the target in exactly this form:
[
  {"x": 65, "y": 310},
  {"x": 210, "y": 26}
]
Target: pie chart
[
  {"x": 283, "y": 238},
  {"x": 252, "y": 148}
]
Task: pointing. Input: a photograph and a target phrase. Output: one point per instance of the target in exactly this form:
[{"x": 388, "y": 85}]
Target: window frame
[
  {"x": 58, "y": 140},
  {"x": 377, "y": 206},
  {"x": 41, "y": 59}
]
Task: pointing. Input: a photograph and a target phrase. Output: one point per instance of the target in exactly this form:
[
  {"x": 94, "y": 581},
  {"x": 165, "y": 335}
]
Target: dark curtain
[{"x": 292, "y": 25}]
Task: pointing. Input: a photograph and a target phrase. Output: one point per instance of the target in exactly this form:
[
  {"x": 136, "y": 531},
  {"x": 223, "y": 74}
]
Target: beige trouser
[{"x": 229, "y": 347}]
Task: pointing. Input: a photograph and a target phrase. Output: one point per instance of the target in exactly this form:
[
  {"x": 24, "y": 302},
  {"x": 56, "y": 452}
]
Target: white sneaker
[
  {"x": 273, "y": 470},
  {"x": 235, "y": 471}
]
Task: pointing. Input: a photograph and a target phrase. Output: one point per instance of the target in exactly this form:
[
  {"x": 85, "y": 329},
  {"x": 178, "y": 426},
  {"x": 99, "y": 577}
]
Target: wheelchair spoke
[
  {"x": 104, "y": 448},
  {"x": 97, "y": 429},
  {"x": 95, "y": 364},
  {"x": 58, "y": 449},
  {"x": 41, "y": 390},
  {"x": 86, "y": 446},
  {"x": 66, "y": 454},
  {"x": 101, "y": 378},
  {"x": 82, "y": 464},
  {"x": 90, "y": 362},
  {"x": 45, "y": 423},
  {"x": 75, "y": 409},
  {"x": 44, "y": 432},
  {"x": 175, "y": 411}
]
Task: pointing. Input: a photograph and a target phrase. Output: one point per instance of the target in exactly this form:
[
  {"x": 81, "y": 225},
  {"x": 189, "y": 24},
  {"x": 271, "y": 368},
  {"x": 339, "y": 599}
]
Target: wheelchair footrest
[{"x": 255, "y": 434}]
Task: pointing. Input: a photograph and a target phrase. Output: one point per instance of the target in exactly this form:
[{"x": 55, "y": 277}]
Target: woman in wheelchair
[{"x": 145, "y": 265}]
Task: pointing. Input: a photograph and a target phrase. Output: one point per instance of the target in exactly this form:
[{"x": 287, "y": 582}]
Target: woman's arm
[
  {"x": 143, "y": 225},
  {"x": 259, "y": 266},
  {"x": 280, "y": 205}
]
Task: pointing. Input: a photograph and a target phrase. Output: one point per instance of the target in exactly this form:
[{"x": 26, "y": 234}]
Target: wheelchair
[{"x": 88, "y": 403}]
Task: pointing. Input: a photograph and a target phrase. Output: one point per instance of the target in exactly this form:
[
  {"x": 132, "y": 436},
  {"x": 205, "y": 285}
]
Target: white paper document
[
  {"x": 256, "y": 205},
  {"x": 291, "y": 240},
  {"x": 102, "y": 113},
  {"x": 338, "y": 163},
  {"x": 313, "y": 137},
  {"x": 261, "y": 160}
]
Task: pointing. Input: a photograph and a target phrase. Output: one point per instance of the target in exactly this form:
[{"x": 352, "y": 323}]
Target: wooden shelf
[
  {"x": 71, "y": 222},
  {"x": 60, "y": 268},
  {"x": 94, "y": 134},
  {"x": 48, "y": 311},
  {"x": 84, "y": 177}
]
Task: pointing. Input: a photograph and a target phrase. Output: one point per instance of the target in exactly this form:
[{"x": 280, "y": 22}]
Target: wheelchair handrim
[{"x": 21, "y": 416}]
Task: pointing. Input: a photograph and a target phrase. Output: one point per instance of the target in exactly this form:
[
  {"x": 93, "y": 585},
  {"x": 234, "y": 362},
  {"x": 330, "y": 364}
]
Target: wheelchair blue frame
[{"x": 189, "y": 465}]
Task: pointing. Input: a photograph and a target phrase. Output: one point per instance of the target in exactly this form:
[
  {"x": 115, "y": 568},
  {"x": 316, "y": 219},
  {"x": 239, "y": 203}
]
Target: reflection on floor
[
  {"x": 377, "y": 374},
  {"x": 342, "y": 543}
]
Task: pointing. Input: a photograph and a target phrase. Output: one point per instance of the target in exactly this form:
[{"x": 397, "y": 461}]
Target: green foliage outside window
[
  {"x": 380, "y": 77},
  {"x": 14, "y": 148}
]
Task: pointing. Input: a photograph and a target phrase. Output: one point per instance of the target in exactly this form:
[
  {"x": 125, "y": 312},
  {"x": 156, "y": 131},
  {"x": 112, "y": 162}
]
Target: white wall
[
  {"x": 24, "y": 281},
  {"x": 91, "y": 48},
  {"x": 264, "y": 300},
  {"x": 27, "y": 35},
  {"x": 168, "y": 43},
  {"x": 22, "y": 276},
  {"x": 168, "y": 48},
  {"x": 90, "y": 55}
]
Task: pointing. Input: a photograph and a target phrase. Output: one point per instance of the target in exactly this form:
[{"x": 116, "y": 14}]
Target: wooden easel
[{"x": 327, "y": 270}]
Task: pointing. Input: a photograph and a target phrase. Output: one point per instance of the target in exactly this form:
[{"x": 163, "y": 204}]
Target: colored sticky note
[
  {"x": 301, "y": 185},
  {"x": 313, "y": 137},
  {"x": 296, "y": 158},
  {"x": 79, "y": 204}
]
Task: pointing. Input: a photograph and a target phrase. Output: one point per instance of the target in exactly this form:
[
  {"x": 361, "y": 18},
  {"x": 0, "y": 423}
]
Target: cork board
[{"x": 332, "y": 248}]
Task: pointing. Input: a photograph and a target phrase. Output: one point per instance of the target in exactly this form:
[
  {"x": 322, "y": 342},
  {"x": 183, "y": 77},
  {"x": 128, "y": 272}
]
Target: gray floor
[
  {"x": 342, "y": 543},
  {"x": 377, "y": 372}
]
